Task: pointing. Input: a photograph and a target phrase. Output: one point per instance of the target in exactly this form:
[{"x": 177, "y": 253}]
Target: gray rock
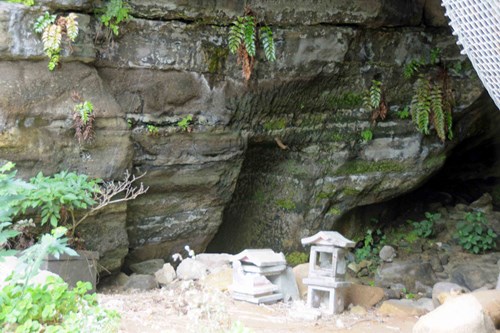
[
  {"x": 483, "y": 204},
  {"x": 498, "y": 282},
  {"x": 165, "y": 275},
  {"x": 406, "y": 273},
  {"x": 387, "y": 253},
  {"x": 147, "y": 267},
  {"x": 448, "y": 288},
  {"x": 463, "y": 314},
  {"x": 474, "y": 275},
  {"x": 191, "y": 269},
  {"x": 423, "y": 289},
  {"x": 215, "y": 261},
  {"x": 436, "y": 264},
  {"x": 140, "y": 282}
]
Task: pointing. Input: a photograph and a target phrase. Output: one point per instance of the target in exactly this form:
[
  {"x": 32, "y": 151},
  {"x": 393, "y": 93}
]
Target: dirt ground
[{"x": 189, "y": 307}]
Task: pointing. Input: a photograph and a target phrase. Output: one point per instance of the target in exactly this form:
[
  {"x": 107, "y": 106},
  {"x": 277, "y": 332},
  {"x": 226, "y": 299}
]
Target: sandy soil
[{"x": 189, "y": 307}]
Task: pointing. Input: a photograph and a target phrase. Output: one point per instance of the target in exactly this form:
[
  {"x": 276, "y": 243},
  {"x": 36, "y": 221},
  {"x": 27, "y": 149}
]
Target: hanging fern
[
  {"x": 266, "y": 37},
  {"x": 53, "y": 31},
  {"x": 421, "y": 106},
  {"x": 375, "y": 101},
  {"x": 412, "y": 68},
  {"x": 83, "y": 121},
  {"x": 241, "y": 41},
  {"x": 438, "y": 116}
]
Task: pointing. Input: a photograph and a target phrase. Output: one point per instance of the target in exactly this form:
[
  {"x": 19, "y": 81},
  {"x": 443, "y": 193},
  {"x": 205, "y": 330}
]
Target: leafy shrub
[
  {"x": 371, "y": 246},
  {"x": 375, "y": 101},
  {"x": 83, "y": 121},
  {"x": 424, "y": 228},
  {"x": 185, "y": 122},
  {"x": 153, "y": 130},
  {"x": 367, "y": 135},
  {"x": 404, "y": 114},
  {"x": 296, "y": 258},
  {"x": 474, "y": 233}
]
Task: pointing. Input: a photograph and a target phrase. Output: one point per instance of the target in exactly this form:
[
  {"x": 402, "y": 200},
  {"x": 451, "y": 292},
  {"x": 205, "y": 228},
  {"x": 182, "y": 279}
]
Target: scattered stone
[
  {"x": 446, "y": 288},
  {"x": 10, "y": 264},
  {"x": 287, "y": 285},
  {"x": 147, "y": 267},
  {"x": 358, "y": 310},
  {"x": 301, "y": 271},
  {"x": 387, "y": 253},
  {"x": 300, "y": 312},
  {"x": 483, "y": 204},
  {"x": 436, "y": 264},
  {"x": 141, "y": 282},
  {"x": 444, "y": 259},
  {"x": 366, "y": 296},
  {"x": 463, "y": 314},
  {"x": 165, "y": 275},
  {"x": 392, "y": 293},
  {"x": 191, "y": 269},
  {"x": 406, "y": 307},
  {"x": 422, "y": 289},
  {"x": 215, "y": 261}
]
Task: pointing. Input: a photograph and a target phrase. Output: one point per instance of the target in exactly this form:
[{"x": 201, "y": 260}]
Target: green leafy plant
[
  {"x": 286, "y": 204},
  {"x": 242, "y": 37},
  {"x": 115, "y": 12},
  {"x": 404, "y": 114},
  {"x": 367, "y": 135},
  {"x": 185, "y": 123},
  {"x": 412, "y": 68},
  {"x": 425, "y": 228},
  {"x": 375, "y": 101},
  {"x": 435, "y": 56},
  {"x": 153, "y": 130},
  {"x": 83, "y": 121},
  {"x": 474, "y": 233},
  {"x": 54, "y": 31},
  {"x": 371, "y": 246}
]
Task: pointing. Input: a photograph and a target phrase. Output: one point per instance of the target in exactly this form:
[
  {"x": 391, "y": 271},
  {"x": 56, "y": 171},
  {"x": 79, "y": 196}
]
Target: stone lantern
[{"x": 327, "y": 268}]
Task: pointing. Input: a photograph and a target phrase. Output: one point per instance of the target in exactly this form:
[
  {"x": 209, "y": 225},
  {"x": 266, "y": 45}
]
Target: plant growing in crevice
[
  {"x": 474, "y": 233},
  {"x": 375, "y": 101},
  {"x": 114, "y": 13},
  {"x": 28, "y": 3},
  {"x": 83, "y": 121},
  {"x": 153, "y": 130},
  {"x": 242, "y": 37},
  {"x": 185, "y": 124},
  {"x": 367, "y": 135},
  {"x": 55, "y": 30},
  {"x": 432, "y": 100},
  {"x": 404, "y": 113},
  {"x": 425, "y": 228}
]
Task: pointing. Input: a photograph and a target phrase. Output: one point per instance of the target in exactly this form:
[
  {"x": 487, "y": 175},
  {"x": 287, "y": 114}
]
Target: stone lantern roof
[{"x": 328, "y": 238}]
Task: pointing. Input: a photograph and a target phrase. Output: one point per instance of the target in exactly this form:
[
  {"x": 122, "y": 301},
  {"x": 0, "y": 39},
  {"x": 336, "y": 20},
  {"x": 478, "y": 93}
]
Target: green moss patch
[{"x": 360, "y": 167}]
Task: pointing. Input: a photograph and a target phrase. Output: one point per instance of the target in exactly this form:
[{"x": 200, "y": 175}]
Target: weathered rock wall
[{"x": 171, "y": 60}]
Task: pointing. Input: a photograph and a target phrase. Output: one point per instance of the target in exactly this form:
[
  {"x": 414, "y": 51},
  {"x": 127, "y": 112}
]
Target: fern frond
[
  {"x": 43, "y": 21},
  {"x": 420, "y": 106},
  {"x": 266, "y": 37},
  {"x": 438, "y": 117},
  {"x": 52, "y": 38},
  {"x": 412, "y": 68},
  {"x": 449, "y": 125},
  {"x": 53, "y": 61},
  {"x": 72, "y": 26},
  {"x": 375, "y": 93},
  {"x": 236, "y": 33},
  {"x": 249, "y": 35}
]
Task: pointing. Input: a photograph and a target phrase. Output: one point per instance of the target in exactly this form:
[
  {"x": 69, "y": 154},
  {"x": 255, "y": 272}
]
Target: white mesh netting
[{"x": 477, "y": 26}]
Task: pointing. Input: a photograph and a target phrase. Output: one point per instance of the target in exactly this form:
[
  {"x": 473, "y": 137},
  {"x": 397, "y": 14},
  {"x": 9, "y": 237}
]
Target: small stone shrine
[
  {"x": 327, "y": 267},
  {"x": 251, "y": 270}
]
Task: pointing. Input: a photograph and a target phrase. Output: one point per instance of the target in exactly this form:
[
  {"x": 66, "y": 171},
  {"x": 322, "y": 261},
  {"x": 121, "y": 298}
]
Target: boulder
[
  {"x": 387, "y": 253},
  {"x": 463, "y": 314},
  {"x": 475, "y": 274},
  {"x": 406, "y": 273},
  {"x": 191, "y": 269},
  {"x": 442, "y": 290},
  {"x": 165, "y": 275},
  {"x": 301, "y": 271},
  {"x": 147, "y": 267},
  {"x": 366, "y": 296},
  {"x": 490, "y": 302},
  {"x": 406, "y": 307},
  {"x": 141, "y": 282},
  {"x": 215, "y": 261},
  {"x": 483, "y": 204}
]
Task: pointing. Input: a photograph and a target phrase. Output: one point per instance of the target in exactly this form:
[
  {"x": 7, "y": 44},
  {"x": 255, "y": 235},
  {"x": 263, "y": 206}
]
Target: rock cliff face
[{"x": 171, "y": 60}]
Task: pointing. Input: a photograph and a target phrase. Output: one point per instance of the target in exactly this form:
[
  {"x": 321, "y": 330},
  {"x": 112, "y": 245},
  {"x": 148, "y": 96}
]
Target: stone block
[
  {"x": 366, "y": 296},
  {"x": 287, "y": 285}
]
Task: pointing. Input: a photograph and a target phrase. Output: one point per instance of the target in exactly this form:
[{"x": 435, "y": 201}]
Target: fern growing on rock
[
  {"x": 432, "y": 102},
  {"x": 242, "y": 41},
  {"x": 375, "y": 101},
  {"x": 54, "y": 30},
  {"x": 83, "y": 119}
]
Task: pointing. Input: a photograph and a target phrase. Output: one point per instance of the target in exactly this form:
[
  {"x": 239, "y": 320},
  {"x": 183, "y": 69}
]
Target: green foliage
[
  {"x": 404, "y": 114},
  {"x": 345, "y": 100},
  {"x": 372, "y": 243},
  {"x": 241, "y": 41},
  {"x": 53, "y": 29},
  {"x": 152, "y": 130},
  {"x": 185, "y": 122},
  {"x": 10, "y": 191},
  {"x": 357, "y": 167},
  {"x": 435, "y": 56},
  {"x": 367, "y": 135},
  {"x": 83, "y": 121},
  {"x": 424, "y": 228},
  {"x": 286, "y": 204},
  {"x": 374, "y": 95},
  {"x": 296, "y": 258},
  {"x": 53, "y": 307},
  {"x": 115, "y": 12},
  {"x": 275, "y": 124},
  {"x": 59, "y": 195},
  {"x": 28, "y": 3},
  {"x": 474, "y": 233},
  {"x": 412, "y": 68}
]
